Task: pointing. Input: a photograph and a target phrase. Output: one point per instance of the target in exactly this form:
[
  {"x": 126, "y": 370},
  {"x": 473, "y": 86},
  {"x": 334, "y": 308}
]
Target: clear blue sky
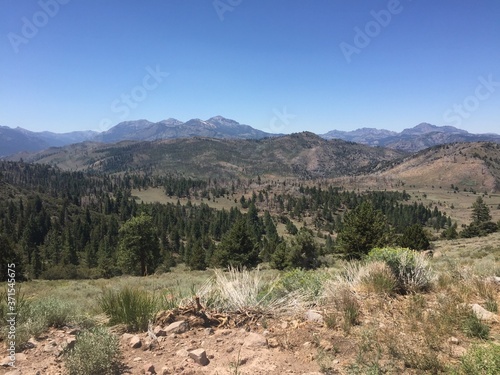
[{"x": 71, "y": 64}]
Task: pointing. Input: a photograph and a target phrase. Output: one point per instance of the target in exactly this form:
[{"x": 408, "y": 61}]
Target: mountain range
[{"x": 414, "y": 139}]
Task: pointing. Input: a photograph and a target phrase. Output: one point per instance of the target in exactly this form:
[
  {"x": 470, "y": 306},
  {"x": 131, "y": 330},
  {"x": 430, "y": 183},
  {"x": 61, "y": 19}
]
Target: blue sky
[{"x": 277, "y": 65}]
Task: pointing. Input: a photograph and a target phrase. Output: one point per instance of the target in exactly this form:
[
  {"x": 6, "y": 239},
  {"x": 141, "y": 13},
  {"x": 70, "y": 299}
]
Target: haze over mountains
[{"x": 409, "y": 140}]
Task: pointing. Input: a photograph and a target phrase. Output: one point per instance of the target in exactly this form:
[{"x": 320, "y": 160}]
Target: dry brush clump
[{"x": 243, "y": 290}]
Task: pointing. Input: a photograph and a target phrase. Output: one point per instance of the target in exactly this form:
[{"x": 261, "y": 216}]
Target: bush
[
  {"x": 244, "y": 290},
  {"x": 309, "y": 283},
  {"x": 473, "y": 327},
  {"x": 96, "y": 352},
  {"x": 480, "y": 360},
  {"x": 411, "y": 269},
  {"x": 34, "y": 317},
  {"x": 132, "y": 307},
  {"x": 53, "y": 312},
  {"x": 375, "y": 277}
]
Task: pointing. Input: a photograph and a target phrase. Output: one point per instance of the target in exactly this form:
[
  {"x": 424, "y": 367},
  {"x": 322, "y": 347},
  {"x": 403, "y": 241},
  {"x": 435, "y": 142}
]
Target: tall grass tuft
[
  {"x": 412, "y": 269},
  {"x": 245, "y": 290},
  {"x": 132, "y": 307},
  {"x": 96, "y": 352}
]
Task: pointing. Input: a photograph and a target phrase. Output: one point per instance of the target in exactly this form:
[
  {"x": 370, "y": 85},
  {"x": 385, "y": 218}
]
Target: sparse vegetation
[
  {"x": 129, "y": 306},
  {"x": 96, "y": 352}
]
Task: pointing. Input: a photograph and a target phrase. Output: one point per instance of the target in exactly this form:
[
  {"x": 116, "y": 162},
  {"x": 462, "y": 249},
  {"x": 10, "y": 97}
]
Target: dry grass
[{"x": 241, "y": 291}]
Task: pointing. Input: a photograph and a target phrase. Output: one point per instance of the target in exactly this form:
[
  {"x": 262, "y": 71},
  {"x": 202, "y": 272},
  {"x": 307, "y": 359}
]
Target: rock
[
  {"x": 494, "y": 279},
  {"x": 5, "y": 361},
  {"x": 149, "y": 367},
  {"x": 74, "y": 332},
  {"x": 326, "y": 345},
  {"x": 183, "y": 353},
  {"x": 454, "y": 340},
  {"x": 159, "y": 331},
  {"x": 165, "y": 370},
  {"x": 428, "y": 253},
  {"x": 209, "y": 331},
  {"x": 307, "y": 344},
  {"x": 273, "y": 342},
  {"x": 484, "y": 314},
  {"x": 313, "y": 316},
  {"x": 177, "y": 327},
  {"x": 20, "y": 357},
  {"x": 135, "y": 342},
  {"x": 127, "y": 336},
  {"x": 70, "y": 343},
  {"x": 199, "y": 356},
  {"x": 254, "y": 341},
  {"x": 137, "y": 359}
]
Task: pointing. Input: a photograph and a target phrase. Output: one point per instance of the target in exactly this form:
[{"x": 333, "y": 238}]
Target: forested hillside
[{"x": 58, "y": 224}]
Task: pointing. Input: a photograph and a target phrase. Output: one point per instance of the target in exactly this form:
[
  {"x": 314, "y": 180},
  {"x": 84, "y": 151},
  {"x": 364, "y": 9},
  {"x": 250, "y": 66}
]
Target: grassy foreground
[{"x": 396, "y": 312}]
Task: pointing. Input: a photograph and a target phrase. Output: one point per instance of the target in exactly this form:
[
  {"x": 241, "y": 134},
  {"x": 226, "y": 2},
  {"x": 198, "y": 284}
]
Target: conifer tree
[
  {"x": 139, "y": 248},
  {"x": 363, "y": 229}
]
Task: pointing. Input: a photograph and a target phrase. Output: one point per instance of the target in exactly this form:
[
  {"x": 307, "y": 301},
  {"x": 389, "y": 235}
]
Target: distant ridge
[
  {"x": 414, "y": 139},
  {"x": 17, "y": 140}
]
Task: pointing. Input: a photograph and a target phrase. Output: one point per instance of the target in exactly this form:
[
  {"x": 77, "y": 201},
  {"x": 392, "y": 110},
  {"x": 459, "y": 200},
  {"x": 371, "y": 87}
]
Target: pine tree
[
  {"x": 414, "y": 238},
  {"x": 237, "y": 248},
  {"x": 363, "y": 229},
  {"x": 480, "y": 211},
  {"x": 139, "y": 248}
]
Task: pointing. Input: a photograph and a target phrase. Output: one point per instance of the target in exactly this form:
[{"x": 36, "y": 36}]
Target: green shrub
[
  {"x": 310, "y": 283},
  {"x": 96, "y": 352},
  {"x": 480, "y": 360},
  {"x": 132, "y": 307},
  {"x": 54, "y": 312},
  {"x": 412, "y": 269},
  {"x": 34, "y": 317},
  {"x": 473, "y": 327}
]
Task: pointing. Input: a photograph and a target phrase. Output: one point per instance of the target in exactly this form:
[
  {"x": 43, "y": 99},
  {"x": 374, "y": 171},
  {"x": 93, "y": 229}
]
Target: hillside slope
[
  {"x": 302, "y": 155},
  {"x": 468, "y": 166}
]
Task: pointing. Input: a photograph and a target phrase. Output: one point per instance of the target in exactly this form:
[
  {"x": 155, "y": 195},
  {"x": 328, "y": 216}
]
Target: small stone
[
  {"x": 273, "y": 342},
  {"x": 135, "y": 342},
  {"x": 484, "y": 314},
  {"x": 149, "y": 367},
  {"x": 74, "y": 332},
  {"x": 255, "y": 340},
  {"x": 183, "y": 353},
  {"x": 127, "y": 336},
  {"x": 165, "y": 370},
  {"x": 284, "y": 325},
  {"x": 70, "y": 343},
  {"x": 307, "y": 344},
  {"x": 209, "y": 331},
  {"x": 199, "y": 356},
  {"x": 159, "y": 331},
  {"x": 454, "y": 341},
  {"x": 137, "y": 359},
  {"x": 177, "y": 327},
  {"x": 313, "y": 316},
  {"x": 20, "y": 357},
  {"x": 326, "y": 345}
]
